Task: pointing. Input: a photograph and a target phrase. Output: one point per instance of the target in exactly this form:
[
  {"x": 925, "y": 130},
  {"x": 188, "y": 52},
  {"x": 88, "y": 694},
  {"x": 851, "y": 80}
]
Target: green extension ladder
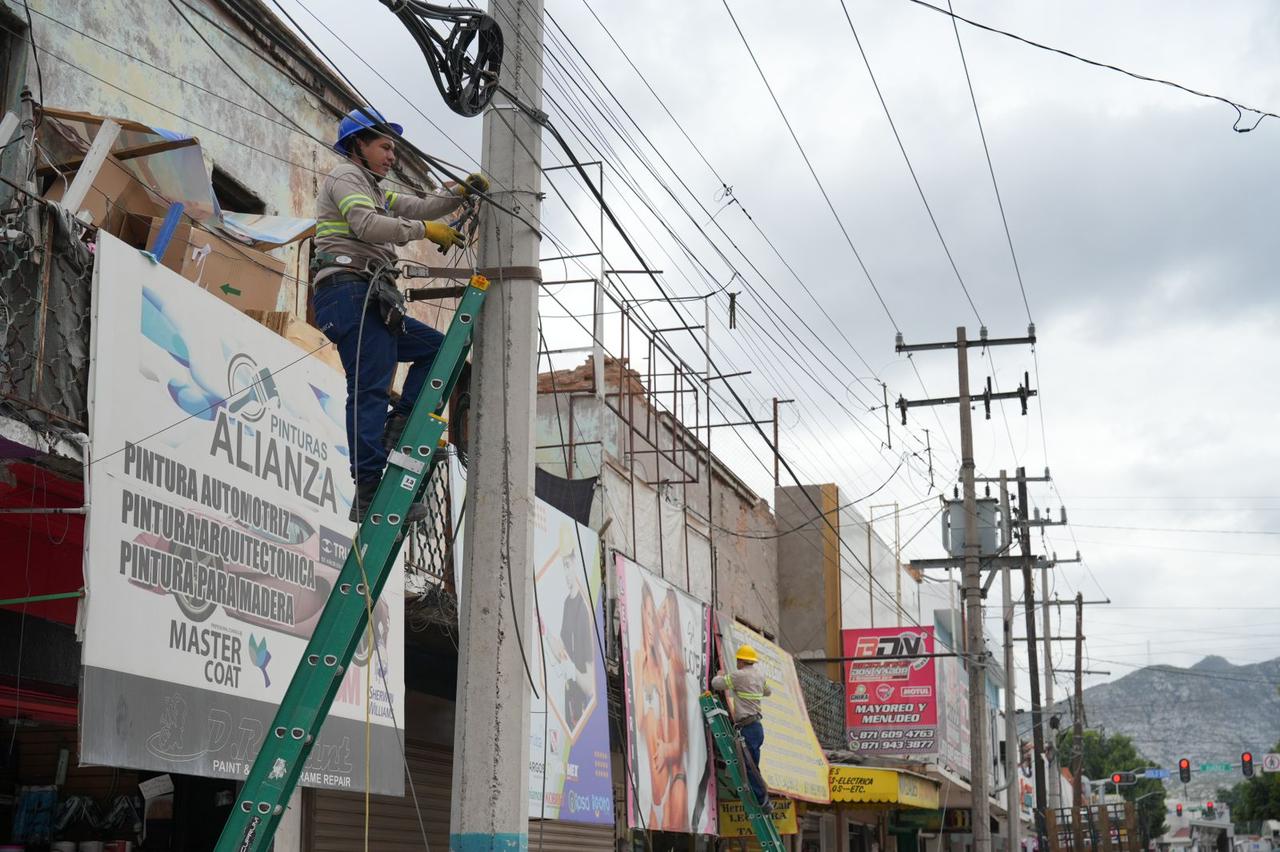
[
  {"x": 730, "y": 747},
  {"x": 279, "y": 763}
]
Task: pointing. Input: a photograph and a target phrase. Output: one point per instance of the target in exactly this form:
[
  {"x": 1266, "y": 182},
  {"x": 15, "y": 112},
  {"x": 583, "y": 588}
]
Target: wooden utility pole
[
  {"x": 777, "y": 453},
  {"x": 1077, "y": 747},
  {"x": 971, "y": 587},
  {"x": 1033, "y": 663}
]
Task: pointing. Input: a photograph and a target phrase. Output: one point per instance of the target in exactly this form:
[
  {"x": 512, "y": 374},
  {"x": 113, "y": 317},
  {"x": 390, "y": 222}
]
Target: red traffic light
[
  {"x": 1209, "y": 805},
  {"x": 1247, "y": 757},
  {"x": 1179, "y": 808},
  {"x": 1246, "y": 764},
  {"x": 1184, "y": 764},
  {"x": 1115, "y": 779},
  {"x": 1184, "y": 770}
]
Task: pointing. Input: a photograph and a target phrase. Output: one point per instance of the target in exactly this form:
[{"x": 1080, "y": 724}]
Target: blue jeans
[
  {"x": 753, "y": 739},
  {"x": 371, "y": 357}
]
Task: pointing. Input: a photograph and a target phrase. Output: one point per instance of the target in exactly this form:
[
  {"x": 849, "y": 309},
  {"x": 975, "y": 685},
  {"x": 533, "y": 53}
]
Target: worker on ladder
[
  {"x": 357, "y": 303},
  {"x": 749, "y": 687}
]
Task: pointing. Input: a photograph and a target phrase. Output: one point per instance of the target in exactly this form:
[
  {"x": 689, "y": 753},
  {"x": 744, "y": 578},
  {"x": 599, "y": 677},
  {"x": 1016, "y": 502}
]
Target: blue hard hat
[{"x": 355, "y": 121}]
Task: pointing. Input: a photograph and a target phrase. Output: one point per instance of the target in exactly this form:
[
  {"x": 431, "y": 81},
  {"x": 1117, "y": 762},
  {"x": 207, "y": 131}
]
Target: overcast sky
[{"x": 1142, "y": 225}]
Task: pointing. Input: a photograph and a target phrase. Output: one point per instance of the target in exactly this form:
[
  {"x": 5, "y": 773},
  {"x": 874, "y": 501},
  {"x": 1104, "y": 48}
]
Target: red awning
[
  {"x": 44, "y": 553},
  {"x": 37, "y": 704}
]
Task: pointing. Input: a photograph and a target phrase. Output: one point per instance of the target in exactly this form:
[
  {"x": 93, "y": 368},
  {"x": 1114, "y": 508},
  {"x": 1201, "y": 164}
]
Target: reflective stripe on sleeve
[
  {"x": 355, "y": 199},
  {"x": 391, "y": 197},
  {"x": 332, "y": 227}
]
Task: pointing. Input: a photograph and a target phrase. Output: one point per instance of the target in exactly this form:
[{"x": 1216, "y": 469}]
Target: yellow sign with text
[
  {"x": 791, "y": 760},
  {"x": 864, "y": 784},
  {"x": 734, "y": 822}
]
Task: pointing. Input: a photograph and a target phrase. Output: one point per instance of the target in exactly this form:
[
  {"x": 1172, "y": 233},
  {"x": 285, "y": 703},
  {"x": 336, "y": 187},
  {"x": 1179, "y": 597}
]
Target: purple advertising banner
[{"x": 570, "y": 774}]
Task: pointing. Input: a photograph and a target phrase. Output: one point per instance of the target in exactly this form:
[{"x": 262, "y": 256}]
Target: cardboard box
[
  {"x": 238, "y": 275},
  {"x": 117, "y": 202},
  {"x": 306, "y": 337}
]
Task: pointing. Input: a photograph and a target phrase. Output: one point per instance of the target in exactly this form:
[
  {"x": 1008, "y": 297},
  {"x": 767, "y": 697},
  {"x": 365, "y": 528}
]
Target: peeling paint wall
[{"x": 140, "y": 60}]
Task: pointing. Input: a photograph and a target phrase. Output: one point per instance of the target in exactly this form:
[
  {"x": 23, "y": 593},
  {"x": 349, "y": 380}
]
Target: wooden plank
[
  {"x": 1131, "y": 826},
  {"x": 1104, "y": 829},
  {"x": 125, "y": 154},
  {"x": 91, "y": 119},
  {"x": 93, "y": 160}
]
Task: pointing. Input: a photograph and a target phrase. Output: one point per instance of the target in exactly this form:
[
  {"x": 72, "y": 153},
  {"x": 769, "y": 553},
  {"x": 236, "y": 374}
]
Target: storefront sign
[
  {"x": 791, "y": 760},
  {"x": 892, "y": 697},
  {"x": 666, "y": 636},
  {"x": 219, "y": 492},
  {"x": 890, "y": 786},
  {"x": 953, "y": 715},
  {"x": 916, "y": 792},
  {"x": 863, "y": 784},
  {"x": 735, "y": 823},
  {"x": 957, "y": 820},
  {"x": 570, "y": 774}
]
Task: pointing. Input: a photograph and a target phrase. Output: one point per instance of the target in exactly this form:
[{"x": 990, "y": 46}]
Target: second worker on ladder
[
  {"x": 357, "y": 303},
  {"x": 748, "y": 686}
]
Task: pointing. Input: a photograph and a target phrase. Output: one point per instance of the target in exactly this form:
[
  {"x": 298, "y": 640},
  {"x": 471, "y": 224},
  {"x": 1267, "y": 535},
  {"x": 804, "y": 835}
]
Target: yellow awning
[{"x": 885, "y": 786}]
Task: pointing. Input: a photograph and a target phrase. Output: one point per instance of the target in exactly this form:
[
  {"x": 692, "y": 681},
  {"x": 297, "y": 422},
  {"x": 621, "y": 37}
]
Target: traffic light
[
  {"x": 1208, "y": 810},
  {"x": 1123, "y": 778},
  {"x": 1246, "y": 764},
  {"x": 1179, "y": 808},
  {"x": 1184, "y": 770}
]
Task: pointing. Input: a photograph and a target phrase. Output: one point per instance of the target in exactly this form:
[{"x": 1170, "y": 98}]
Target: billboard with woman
[{"x": 665, "y": 652}]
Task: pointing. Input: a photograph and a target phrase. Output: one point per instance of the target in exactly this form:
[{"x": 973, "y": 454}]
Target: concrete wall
[
  {"x": 656, "y": 506},
  {"x": 809, "y": 571}
]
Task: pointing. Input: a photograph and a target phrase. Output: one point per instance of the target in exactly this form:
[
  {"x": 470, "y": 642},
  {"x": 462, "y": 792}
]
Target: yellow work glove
[
  {"x": 443, "y": 236},
  {"x": 475, "y": 182}
]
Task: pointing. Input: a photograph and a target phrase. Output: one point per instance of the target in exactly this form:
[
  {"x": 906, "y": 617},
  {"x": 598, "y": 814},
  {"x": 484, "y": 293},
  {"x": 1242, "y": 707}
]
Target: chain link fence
[
  {"x": 428, "y": 550},
  {"x": 46, "y": 285},
  {"x": 825, "y": 700}
]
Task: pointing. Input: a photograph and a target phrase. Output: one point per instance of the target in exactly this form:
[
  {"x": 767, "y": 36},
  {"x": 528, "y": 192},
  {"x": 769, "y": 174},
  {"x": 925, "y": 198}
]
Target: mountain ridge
[{"x": 1209, "y": 712}]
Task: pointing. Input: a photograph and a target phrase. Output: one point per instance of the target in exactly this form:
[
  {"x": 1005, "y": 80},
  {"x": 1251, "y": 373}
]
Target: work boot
[
  {"x": 393, "y": 430},
  {"x": 364, "y": 496}
]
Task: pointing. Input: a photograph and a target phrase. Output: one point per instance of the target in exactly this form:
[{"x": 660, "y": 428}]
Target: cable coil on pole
[{"x": 465, "y": 62}]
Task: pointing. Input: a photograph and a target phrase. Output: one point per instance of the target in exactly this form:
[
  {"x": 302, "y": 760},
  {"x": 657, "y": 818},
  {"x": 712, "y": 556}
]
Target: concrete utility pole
[
  {"x": 971, "y": 583},
  {"x": 1012, "y": 750},
  {"x": 1077, "y": 748},
  {"x": 975, "y": 641},
  {"x": 491, "y": 730},
  {"x": 1033, "y": 667}
]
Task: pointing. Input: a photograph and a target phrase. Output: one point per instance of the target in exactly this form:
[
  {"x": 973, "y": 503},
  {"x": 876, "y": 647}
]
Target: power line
[
  {"x": 1238, "y": 106},
  {"x": 910, "y": 168},
  {"x": 812, "y": 171}
]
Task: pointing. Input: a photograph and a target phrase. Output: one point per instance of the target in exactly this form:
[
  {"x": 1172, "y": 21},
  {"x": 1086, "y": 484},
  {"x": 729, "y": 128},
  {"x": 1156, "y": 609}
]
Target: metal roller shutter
[
  {"x": 552, "y": 835},
  {"x": 335, "y": 821}
]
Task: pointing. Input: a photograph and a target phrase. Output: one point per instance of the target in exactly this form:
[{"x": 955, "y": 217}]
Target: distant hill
[{"x": 1209, "y": 713}]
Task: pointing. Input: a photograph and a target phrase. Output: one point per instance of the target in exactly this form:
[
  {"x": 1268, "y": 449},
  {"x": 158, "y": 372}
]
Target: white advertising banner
[{"x": 219, "y": 491}]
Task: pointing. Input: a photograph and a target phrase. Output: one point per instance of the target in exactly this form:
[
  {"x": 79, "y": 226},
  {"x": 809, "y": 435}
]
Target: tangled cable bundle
[{"x": 466, "y": 61}]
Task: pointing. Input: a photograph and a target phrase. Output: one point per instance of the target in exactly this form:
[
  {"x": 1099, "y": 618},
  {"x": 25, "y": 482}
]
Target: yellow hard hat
[{"x": 747, "y": 654}]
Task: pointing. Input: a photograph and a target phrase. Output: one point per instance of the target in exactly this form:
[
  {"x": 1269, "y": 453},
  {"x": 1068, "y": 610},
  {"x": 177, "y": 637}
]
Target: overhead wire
[
  {"x": 812, "y": 171},
  {"x": 1238, "y": 106}
]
